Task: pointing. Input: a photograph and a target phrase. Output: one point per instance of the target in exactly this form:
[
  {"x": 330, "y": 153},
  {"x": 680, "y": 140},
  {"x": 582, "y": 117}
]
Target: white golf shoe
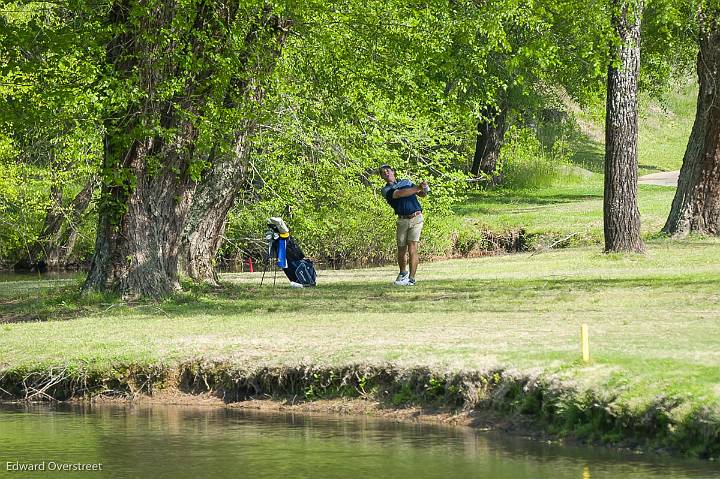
[{"x": 402, "y": 279}]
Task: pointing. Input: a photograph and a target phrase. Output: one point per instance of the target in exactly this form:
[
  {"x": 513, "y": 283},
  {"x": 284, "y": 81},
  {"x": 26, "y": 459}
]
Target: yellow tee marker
[{"x": 585, "y": 341}]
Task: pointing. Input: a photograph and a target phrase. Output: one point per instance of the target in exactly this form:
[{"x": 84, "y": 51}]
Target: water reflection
[{"x": 170, "y": 441}]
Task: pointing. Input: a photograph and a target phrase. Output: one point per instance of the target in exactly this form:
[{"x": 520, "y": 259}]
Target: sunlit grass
[
  {"x": 654, "y": 321},
  {"x": 664, "y": 128},
  {"x": 560, "y": 211}
]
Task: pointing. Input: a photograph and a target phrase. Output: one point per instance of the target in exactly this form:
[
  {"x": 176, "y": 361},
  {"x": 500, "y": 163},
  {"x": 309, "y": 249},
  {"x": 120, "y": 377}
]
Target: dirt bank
[{"x": 500, "y": 399}]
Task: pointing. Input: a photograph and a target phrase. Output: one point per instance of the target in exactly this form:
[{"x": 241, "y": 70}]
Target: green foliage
[
  {"x": 347, "y": 103},
  {"x": 336, "y": 219},
  {"x": 469, "y": 238},
  {"x": 529, "y": 164},
  {"x": 669, "y": 43},
  {"x": 403, "y": 396},
  {"x": 48, "y": 116},
  {"x": 354, "y": 85},
  {"x": 22, "y": 204}
]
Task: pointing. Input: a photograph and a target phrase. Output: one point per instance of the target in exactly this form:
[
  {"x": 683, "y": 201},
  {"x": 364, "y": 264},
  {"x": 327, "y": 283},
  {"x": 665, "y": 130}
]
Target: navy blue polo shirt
[{"x": 402, "y": 206}]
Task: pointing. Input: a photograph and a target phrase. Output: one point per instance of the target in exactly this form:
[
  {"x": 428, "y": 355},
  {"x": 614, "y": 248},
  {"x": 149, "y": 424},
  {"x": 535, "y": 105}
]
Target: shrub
[
  {"x": 528, "y": 164},
  {"x": 339, "y": 222}
]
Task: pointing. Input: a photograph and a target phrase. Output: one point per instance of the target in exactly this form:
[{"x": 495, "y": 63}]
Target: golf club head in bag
[
  {"x": 277, "y": 229},
  {"x": 277, "y": 224}
]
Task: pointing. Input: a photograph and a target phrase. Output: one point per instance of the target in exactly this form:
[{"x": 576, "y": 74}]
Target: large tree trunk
[
  {"x": 137, "y": 254},
  {"x": 696, "y": 206},
  {"x": 214, "y": 198},
  {"x": 490, "y": 137},
  {"x": 218, "y": 190},
  {"x": 621, "y": 214},
  {"x": 147, "y": 187}
]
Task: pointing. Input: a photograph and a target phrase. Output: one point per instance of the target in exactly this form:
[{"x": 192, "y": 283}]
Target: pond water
[
  {"x": 194, "y": 442},
  {"x": 9, "y": 276},
  {"x": 15, "y": 284}
]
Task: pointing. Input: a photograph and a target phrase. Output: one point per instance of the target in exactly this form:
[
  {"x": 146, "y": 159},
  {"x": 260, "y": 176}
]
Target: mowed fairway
[{"x": 654, "y": 321}]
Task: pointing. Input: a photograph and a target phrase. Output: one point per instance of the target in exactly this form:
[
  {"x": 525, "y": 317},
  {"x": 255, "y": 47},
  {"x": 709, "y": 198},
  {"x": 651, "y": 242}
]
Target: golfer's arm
[{"x": 415, "y": 190}]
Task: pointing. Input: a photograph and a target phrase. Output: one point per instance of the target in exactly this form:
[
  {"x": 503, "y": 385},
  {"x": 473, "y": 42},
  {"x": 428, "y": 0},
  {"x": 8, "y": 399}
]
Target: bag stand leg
[
  {"x": 265, "y": 265},
  {"x": 265, "y": 268}
]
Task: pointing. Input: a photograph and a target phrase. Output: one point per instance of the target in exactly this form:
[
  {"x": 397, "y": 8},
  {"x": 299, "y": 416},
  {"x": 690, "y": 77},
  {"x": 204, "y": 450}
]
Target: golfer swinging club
[{"x": 402, "y": 196}]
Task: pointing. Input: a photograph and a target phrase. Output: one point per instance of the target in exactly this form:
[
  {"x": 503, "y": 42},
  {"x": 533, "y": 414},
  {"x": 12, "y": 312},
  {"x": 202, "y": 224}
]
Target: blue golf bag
[
  {"x": 291, "y": 259},
  {"x": 301, "y": 271}
]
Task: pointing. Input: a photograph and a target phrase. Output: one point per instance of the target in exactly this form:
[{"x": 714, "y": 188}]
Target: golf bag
[
  {"x": 292, "y": 260},
  {"x": 290, "y": 257}
]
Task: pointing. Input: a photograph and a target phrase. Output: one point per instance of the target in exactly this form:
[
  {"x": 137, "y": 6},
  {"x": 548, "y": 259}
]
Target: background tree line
[{"x": 154, "y": 134}]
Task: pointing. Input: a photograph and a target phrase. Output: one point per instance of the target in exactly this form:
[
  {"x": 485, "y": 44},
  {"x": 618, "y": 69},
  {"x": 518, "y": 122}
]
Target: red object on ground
[{"x": 250, "y": 264}]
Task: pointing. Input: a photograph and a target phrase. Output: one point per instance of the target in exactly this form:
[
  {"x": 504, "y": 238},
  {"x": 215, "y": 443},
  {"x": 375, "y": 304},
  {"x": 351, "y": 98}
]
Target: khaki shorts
[{"x": 409, "y": 230}]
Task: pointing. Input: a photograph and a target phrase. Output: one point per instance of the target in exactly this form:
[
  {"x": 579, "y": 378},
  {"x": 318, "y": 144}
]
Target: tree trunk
[
  {"x": 218, "y": 190},
  {"x": 147, "y": 187},
  {"x": 490, "y": 136},
  {"x": 621, "y": 214},
  {"x": 137, "y": 247},
  {"x": 214, "y": 198},
  {"x": 696, "y": 206}
]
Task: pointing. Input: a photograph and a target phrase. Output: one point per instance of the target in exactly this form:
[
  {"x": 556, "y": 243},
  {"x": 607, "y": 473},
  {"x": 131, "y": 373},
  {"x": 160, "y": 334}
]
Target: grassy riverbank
[
  {"x": 508, "y": 324},
  {"x": 497, "y": 333}
]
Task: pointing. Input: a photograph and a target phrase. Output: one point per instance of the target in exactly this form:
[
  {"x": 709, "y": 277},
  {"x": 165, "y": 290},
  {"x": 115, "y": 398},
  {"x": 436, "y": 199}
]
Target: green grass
[
  {"x": 652, "y": 317},
  {"x": 551, "y": 213},
  {"x": 664, "y": 127},
  {"x": 654, "y": 322}
]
